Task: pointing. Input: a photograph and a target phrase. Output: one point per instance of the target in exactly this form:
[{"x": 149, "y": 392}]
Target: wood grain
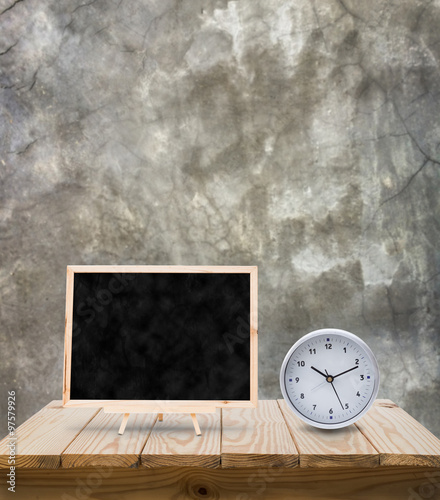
[
  {"x": 253, "y": 320},
  {"x": 265, "y": 483},
  {"x": 174, "y": 442},
  {"x": 42, "y": 438},
  {"x": 346, "y": 447},
  {"x": 257, "y": 437},
  {"x": 68, "y": 327},
  {"x": 398, "y": 437},
  {"x": 99, "y": 443}
]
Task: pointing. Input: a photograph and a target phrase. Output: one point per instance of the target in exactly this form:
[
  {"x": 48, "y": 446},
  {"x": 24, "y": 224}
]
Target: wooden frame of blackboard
[{"x": 162, "y": 406}]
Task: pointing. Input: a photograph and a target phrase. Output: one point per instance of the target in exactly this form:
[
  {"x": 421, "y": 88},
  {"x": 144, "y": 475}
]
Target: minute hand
[{"x": 346, "y": 371}]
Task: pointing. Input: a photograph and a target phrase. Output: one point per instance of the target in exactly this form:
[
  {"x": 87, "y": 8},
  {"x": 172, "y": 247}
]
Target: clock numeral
[
  {"x": 314, "y": 407},
  {"x": 297, "y": 379},
  {"x": 345, "y": 349},
  {"x": 356, "y": 361},
  {"x": 301, "y": 363},
  {"x": 331, "y": 411},
  {"x": 328, "y": 346},
  {"x": 358, "y": 394},
  {"x": 312, "y": 351},
  {"x": 302, "y": 395},
  {"x": 346, "y": 406},
  {"x": 362, "y": 377}
]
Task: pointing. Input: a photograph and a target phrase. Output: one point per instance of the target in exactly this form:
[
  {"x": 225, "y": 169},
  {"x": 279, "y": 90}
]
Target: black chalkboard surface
[{"x": 172, "y": 333}]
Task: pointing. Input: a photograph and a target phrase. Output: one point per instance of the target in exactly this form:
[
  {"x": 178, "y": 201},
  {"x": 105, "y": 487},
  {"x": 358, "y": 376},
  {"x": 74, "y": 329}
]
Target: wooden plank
[
  {"x": 385, "y": 402},
  {"x": 268, "y": 483},
  {"x": 256, "y": 438},
  {"x": 42, "y": 438},
  {"x": 174, "y": 442},
  {"x": 346, "y": 447},
  {"x": 398, "y": 437},
  {"x": 99, "y": 443}
]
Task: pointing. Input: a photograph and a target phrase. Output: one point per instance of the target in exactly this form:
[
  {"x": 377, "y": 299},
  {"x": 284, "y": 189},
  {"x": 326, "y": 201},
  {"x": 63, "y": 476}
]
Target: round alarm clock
[{"x": 329, "y": 378}]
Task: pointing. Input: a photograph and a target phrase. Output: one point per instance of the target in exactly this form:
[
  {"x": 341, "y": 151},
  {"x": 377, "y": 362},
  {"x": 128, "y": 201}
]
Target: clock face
[{"x": 330, "y": 378}]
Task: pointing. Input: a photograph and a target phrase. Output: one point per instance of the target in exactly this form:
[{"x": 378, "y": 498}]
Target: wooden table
[{"x": 242, "y": 454}]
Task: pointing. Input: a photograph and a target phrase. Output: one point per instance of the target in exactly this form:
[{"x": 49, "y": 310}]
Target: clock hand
[
  {"x": 319, "y": 386},
  {"x": 313, "y": 368},
  {"x": 346, "y": 371},
  {"x": 342, "y": 406}
]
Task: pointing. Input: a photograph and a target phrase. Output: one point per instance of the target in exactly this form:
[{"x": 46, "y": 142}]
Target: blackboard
[{"x": 149, "y": 333}]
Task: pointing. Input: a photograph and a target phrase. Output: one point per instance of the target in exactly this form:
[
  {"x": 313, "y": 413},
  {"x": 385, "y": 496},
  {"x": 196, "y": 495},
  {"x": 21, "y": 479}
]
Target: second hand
[{"x": 342, "y": 406}]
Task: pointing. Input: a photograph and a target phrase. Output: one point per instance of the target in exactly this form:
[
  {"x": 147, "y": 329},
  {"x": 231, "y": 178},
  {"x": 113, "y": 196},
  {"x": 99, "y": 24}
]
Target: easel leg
[
  {"x": 160, "y": 417},
  {"x": 123, "y": 423},
  {"x": 196, "y": 424}
]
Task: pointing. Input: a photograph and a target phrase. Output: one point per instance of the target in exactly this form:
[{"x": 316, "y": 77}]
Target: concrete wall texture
[{"x": 300, "y": 136}]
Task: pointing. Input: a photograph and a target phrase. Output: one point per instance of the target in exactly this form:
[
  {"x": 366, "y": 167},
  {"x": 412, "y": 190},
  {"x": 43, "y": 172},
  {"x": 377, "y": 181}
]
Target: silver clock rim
[{"x": 351, "y": 336}]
